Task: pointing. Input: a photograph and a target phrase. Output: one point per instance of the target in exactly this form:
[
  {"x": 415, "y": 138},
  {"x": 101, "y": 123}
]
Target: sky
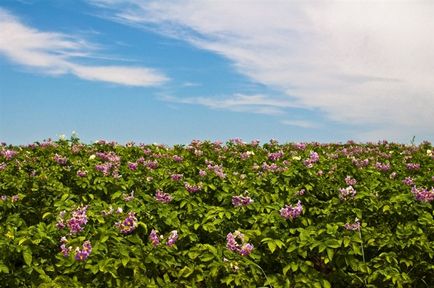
[{"x": 173, "y": 71}]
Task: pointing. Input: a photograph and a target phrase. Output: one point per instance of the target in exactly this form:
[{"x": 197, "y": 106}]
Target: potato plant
[{"x": 209, "y": 214}]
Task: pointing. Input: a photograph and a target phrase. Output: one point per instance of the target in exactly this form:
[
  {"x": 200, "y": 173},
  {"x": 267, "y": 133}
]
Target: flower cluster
[
  {"x": 408, "y": 181},
  {"x": 151, "y": 164},
  {"x": 177, "y": 158},
  {"x": 60, "y": 160},
  {"x": 172, "y": 238},
  {"x": 413, "y": 166},
  {"x": 111, "y": 164},
  {"x": 155, "y": 239},
  {"x": 382, "y": 166},
  {"x": 353, "y": 226},
  {"x": 176, "y": 177},
  {"x": 133, "y": 166},
  {"x": 360, "y": 163},
  {"x": 77, "y": 221},
  {"x": 217, "y": 169},
  {"x": 63, "y": 249},
  {"x": 275, "y": 155},
  {"x": 246, "y": 155},
  {"x": 192, "y": 188},
  {"x": 270, "y": 167},
  {"x": 235, "y": 242},
  {"x": 8, "y": 154},
  {"x": 129, "y": 197},
  {"x": 291, "y": 212},
  {"x": 82, "y": 254},
  {"x": 128, "y": 225},
  {"x": 241, "y": 200},
  {"x": 81, "y": 173},
  {"x": 313, "y": 158},
  {"x": 162, "y": 197},
  {"x": 350, "y": 181},
  {"x": 347, "y": 193},
  {"x": 422, "y": 194}
]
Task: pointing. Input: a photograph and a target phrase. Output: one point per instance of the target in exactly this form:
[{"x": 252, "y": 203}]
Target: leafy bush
[{"x": 214, "y": 215}]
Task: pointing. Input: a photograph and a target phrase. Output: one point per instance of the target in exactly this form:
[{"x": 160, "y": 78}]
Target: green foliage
[{"x": 393, "y": 246}]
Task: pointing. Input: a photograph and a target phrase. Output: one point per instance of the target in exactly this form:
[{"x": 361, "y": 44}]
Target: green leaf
[
  {"x": 271, "y": 246},
  {"x": 27, "y": 255},
  {"x": 330, "y": 253},
  {"x": 4, "y": 268},
  {"x": 46, "y": 214},
  {"x": 285, "y": 269},
  {"x": 125, "y": 261},
  {"x": 326, "y": 284}
]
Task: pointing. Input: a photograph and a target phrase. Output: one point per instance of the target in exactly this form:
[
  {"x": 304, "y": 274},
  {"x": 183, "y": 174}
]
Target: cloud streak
[
  {"x": 259, "y": 104},
  {"x": 362, "y": 63},
  {"x": 58, "y": 54}
]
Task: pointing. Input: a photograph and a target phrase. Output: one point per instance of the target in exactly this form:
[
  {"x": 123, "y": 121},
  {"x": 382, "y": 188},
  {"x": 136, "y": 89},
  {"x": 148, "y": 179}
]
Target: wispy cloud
[
  {"x": 56, "y": 54},
  {"x": 300, "y": 123},
  {"x": 359, "y": 62},
  {"x": 259, "y": 104}
]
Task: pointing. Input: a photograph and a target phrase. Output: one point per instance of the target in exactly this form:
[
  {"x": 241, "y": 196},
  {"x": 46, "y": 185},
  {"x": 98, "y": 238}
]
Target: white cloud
[
  {"x": 360, "y": 62},
  {"x": 300, "y": 123},
  {"x": 57, "y": 54},
  {"x": 259, "y": 104}
]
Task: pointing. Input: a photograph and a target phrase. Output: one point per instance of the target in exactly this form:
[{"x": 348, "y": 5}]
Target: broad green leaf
[{"x": 27, "y": 255}]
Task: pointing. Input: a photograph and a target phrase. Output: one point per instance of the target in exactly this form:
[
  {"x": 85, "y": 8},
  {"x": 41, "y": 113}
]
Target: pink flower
[
  {"x": 241, "y": 200},
  {"x": 162, "y": 197},
  {"x": 153, "y": 237},
  {"x": 291, "y": 212},
  {"x": 172, "y": 238},
  {"x": 347, "y": 193}
]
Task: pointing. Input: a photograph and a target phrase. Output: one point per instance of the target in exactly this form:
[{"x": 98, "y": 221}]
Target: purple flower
[
  {"x": 172, "y": 238},
  {"x": 291, "y": 212},
  {"x": 153, "y": 237},
  {"x": 218, "y": 170},
  {"x": 422, "y": 194},
  {"x": 382, "y": 166},
  {"x": 15, "y": 198},
  {"x": 65, "y": 250},
  {"x": 275, "y": 156},
  {"x": 177, "y": 158},
  {"x": 162, "y": 197},
  {"x": 3, "y": 197},
  {"x": 235, "y": 242},
  {"x": 129, "y": 197},
  {"x": 176, "y": 177},
  {"x": 192, "y": 188},
  {"x": 132, "y": 166},
  {"x": 82, "y": 255},
  {"x": 246, "y": 249},
  {"x": 60, "y": 160},
  {"x": 81, "y": 173},
  {"x": 353, "y": 226},
  {"x": 202, "y": 173},
  {"x": 300, "y": 192},
  {"x": 8, "y": 154},
  {"x": 78, "y": 220},
  {"x": 408, "y": 181},
  {"x": 128, "y": 225},
  {"x": 347, "y": 193},
  {"x": 350, "y": 181},
  {"x": 241, "y": 200},
  {"x": 413, "y": 166}
]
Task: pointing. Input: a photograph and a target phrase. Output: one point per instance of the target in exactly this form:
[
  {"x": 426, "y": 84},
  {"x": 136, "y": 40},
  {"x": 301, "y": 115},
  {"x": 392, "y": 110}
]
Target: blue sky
[{"x": 173, "y": 71}]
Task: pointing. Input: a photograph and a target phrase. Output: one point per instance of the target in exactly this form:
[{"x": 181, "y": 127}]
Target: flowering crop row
[{"x": 209, "y": 214}]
